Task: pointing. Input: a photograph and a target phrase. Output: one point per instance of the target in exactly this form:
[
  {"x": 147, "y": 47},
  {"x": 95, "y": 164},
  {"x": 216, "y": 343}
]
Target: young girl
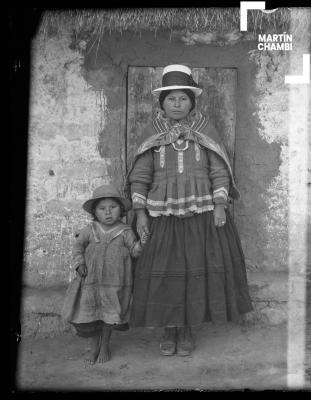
[{"x": 102, "y": 259}]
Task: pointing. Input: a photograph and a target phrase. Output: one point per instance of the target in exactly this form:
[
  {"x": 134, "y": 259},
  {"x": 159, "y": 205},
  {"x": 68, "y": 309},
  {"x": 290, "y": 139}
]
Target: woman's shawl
[{"x": 160, "y": 133}]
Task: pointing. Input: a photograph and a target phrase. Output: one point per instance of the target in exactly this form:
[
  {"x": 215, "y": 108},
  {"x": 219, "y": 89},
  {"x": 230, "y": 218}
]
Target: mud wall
[
  {"x": 64, "y": 163},
  {"x": 77, "y": 138}
]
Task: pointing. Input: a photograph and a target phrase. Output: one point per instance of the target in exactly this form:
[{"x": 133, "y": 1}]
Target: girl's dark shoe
[
  {"x": 185, "y": 344},
  {"x": 168, "y": 342}
]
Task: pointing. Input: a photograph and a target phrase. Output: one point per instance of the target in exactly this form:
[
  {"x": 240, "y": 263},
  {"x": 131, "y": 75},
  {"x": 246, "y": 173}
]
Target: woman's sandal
[
  {"x": 168, "y": 342},
  {"x": 185, "y": 343}
]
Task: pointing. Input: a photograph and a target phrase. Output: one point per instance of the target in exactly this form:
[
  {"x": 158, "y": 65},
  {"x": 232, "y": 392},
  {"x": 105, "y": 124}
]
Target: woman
[{"x": 192, "y": 269}]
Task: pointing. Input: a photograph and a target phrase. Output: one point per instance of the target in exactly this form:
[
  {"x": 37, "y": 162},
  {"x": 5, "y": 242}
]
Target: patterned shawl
[{"x": 195, "y": 127}]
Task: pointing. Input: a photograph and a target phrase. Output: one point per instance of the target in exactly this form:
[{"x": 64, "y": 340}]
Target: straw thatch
[{"x": 99, "y": 21}]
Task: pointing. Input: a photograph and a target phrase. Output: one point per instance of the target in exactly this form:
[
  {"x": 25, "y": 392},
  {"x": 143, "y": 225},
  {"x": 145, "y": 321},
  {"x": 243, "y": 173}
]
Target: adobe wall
[{"x": 77, "y": 139}]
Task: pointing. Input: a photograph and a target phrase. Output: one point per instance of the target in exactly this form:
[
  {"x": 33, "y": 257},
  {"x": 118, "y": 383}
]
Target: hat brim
[
  {"x": 88, "y": 205},
  {"x": 196, "y": 91}
]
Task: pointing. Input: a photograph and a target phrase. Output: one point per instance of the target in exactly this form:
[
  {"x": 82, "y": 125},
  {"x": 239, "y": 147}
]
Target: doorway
[{"x": 217, "y": 101}]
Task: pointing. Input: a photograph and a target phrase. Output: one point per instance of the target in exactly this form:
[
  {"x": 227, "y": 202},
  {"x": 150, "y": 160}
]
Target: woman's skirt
[{"x": 190, "y": 272}]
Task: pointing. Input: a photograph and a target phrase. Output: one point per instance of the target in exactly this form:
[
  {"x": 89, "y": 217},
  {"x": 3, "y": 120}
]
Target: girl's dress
[
  {"x": 105, "y": 293},
  {"x": 190, "y": 271}
]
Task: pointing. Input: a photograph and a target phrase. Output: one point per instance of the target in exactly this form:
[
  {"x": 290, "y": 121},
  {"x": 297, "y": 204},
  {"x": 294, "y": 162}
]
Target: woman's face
[
  {"x": 108, "y": 211},
  {"x": 177, "y": 104}
]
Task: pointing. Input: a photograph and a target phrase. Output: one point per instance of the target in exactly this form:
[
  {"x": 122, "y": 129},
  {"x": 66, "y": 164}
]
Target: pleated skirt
[{"x": 190, "y": 272}]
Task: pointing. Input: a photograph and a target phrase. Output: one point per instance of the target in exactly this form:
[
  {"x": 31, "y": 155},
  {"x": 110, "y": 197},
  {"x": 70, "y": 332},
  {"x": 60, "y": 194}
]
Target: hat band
[{"x": 176, "y": 78}]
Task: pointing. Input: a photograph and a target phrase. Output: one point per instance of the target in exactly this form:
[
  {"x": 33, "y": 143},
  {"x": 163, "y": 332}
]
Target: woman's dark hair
[
  {"x": 122, "y": 214},
  {"x": 188, "y": 92}
]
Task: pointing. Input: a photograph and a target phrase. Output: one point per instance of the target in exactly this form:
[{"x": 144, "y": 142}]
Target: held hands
[
  {"x": 142, "y": 226},
  {"x": 82, "y": 271},
  {"x": 144, "y": 238},
  {"x": 137, "y": 249},
  {"x": 219, "y": 215}
]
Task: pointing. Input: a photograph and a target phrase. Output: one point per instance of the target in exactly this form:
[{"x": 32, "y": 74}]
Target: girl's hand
[
  {"x": 82, "y": 271},
  {"x": 219, "y": 215},
  {"x": 142, "y": 224}
]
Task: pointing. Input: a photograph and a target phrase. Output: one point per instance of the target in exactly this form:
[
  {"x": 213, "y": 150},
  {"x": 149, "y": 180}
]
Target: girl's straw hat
[
  {"x": 177, "y": 76},
  {"x": 103, "y": 192}
]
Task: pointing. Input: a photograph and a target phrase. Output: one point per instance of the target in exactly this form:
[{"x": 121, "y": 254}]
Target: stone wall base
[{"x": 41, "y": 308}]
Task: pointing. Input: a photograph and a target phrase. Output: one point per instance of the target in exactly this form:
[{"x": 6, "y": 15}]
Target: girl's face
[
  {"x": 177, "y": 105},
  {"x": 107, "y": 211}
]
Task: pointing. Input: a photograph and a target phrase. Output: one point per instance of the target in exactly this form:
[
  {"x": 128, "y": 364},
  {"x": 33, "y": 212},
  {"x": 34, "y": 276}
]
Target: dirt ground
[{"x": 226, "y": 357}]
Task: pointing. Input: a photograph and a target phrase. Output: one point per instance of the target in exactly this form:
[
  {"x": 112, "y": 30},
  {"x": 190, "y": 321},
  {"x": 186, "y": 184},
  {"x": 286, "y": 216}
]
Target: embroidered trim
[
  {"x": 181, "y": 200},
  {"x": 180, "y": 156},
  {"x": 171, "y": 211},
  {"x": 161, "y": 150},
  {"x": 221, "y": 192},
  {"x": 197, "y": 151},
  {"x": 222, "y": 195},
  {"x": 181, "y": 149},
  {"x": 201, "y": 123},
  {"x": 139, "y": 198},
  {"x": 139, "y": 195},
  {"x": 222, "y": 189},
  {"x": 180, "y": 162}
]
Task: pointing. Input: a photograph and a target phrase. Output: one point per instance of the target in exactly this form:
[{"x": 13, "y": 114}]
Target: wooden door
[{"x": 218, "y": 101}]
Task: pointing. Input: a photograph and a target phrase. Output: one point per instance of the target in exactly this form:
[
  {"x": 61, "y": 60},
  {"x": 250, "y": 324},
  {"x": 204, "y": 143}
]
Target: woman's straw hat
[{"x": 177, "y": 76}]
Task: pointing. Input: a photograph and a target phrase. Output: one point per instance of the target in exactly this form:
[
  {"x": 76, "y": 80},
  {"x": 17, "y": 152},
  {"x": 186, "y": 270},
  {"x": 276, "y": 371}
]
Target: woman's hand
[
  {"x": 219, "y": 215},
  {"x": 142, "y": 224},
  {"x": 82, "y": 270}
]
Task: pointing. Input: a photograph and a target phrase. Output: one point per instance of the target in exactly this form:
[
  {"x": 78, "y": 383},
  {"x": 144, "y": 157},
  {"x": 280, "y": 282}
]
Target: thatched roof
[{"x": 99, "y": 21}]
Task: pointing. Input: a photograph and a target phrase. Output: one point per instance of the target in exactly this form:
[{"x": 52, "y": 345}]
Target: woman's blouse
[{"x": 180, "y": 178}]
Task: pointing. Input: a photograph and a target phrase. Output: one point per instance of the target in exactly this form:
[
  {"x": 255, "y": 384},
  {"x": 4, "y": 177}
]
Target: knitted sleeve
[
  {"x": 219, "y": 177},
  {"x": 140, "y": 179}
]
